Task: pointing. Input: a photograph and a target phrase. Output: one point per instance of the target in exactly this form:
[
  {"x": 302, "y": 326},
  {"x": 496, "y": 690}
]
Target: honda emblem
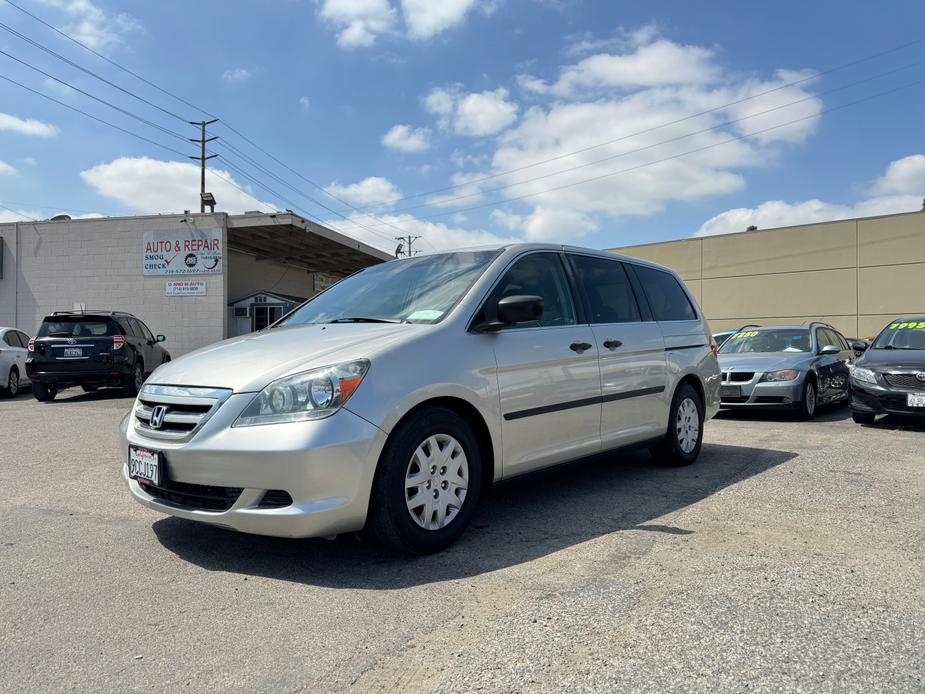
[{"x": 157, "y": 416}]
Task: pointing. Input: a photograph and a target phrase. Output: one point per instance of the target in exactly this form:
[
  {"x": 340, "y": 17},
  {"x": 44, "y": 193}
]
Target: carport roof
[{"x": 287, "y": 238}]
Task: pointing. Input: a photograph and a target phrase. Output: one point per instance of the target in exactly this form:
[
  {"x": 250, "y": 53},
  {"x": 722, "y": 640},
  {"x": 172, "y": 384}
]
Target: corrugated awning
[{"x": 287, "y": 238}]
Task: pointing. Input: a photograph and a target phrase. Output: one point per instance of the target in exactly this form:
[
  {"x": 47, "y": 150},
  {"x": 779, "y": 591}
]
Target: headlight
[
  {"x": 309, "y": 395},
  {"x": 863, "y": 375},
  {"x": 783, "y": 375}
]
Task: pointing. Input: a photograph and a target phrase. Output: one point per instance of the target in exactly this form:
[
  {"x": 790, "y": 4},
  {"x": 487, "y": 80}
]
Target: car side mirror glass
[
  {"x": 859, "y": 346},
  {"x": 522, "y": 308},
  {"x": 829, "y": 349},
  {"x": 160, "y": 338}
]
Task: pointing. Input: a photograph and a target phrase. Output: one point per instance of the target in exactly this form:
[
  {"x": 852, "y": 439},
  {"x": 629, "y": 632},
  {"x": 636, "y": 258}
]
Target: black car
[
  {"x": 890, "y": 377},
  {"x": 92, "y": 349}
]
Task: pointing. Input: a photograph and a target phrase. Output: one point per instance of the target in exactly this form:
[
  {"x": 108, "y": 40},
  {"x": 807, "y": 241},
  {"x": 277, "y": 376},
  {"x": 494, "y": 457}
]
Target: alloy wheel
[
  {"x": 13, "y": 386},
  {"x": 810, "y": 399},
  {"x": 436, "y": 482},
  {"x": 688, "y": 425}
]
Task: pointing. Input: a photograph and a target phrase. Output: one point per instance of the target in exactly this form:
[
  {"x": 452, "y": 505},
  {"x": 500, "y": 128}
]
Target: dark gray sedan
[{"x": 792, "y": 367}]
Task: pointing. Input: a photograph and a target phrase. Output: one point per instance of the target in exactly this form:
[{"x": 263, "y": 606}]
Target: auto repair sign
[{"x": 183, "y": 252}]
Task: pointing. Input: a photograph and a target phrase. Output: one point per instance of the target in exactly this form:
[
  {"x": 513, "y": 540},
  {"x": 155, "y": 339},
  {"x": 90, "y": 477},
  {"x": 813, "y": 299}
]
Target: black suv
[{"x": 92, "y": 349}]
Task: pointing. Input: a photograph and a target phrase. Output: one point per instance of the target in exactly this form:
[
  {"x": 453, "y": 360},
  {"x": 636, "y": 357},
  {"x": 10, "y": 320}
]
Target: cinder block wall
[
  {"x": 247, "y": 275},
  {"x": 855, "y": 274},
  {"x": 98, "y": 262}
]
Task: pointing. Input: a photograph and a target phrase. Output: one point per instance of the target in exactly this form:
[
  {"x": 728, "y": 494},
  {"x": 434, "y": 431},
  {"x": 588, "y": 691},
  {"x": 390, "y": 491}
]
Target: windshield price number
[
  {"x": 742, "y": 336},
  {"x": 914, "y": 325}
]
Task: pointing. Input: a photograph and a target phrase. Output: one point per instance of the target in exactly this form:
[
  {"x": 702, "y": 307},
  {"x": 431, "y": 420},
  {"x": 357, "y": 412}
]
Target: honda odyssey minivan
[{"x": 393, "y": 400}]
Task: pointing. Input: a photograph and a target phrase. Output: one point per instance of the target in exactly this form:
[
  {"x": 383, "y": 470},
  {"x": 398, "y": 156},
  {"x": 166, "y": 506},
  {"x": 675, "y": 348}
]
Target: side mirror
[
  {"x": 160, "y": 338},
  {"x": 859, "y": 346},
  {"x": 830, "y": 349},
  {"x": 520, "y": 309}
]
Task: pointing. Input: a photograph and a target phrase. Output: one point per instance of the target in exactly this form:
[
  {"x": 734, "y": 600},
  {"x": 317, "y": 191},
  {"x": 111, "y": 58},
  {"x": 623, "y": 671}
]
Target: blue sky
[{"x": 378, "y": 100}]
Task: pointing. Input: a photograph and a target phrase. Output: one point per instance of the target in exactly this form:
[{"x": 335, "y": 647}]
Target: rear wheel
[
  {"x": 427, "y": 485},
  {"x": 12, "y": 388},
  {"x": 44, "y": 392},
  {"x": 863, "y": 417},
  {"x": 684, "y": 437},
  {"x": 134, "y": 382},
  {"x": 806, "y": 409}
]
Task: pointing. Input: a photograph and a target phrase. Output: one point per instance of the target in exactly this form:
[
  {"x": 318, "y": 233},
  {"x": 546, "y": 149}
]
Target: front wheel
[
  {"x": 427, "y": 485},
  {"x": 684, "y": 437},
  {"x": 135, "y": 381},
  {"x": 44, "y": 392},
  {"x": 12, "y": 387},
  {"x": 806, "y": 409}
]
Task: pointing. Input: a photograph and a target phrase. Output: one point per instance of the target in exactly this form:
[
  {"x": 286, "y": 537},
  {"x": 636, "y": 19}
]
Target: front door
[
  {"x": 632, "y": 361},
  {"x": 548, "y": 371}
]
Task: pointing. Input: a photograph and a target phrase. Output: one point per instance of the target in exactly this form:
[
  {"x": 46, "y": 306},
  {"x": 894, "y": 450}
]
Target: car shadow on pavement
[
  {"x": 530, "y": 517},
  {"x": 897, "y": 423},
  {"x": 76, "y": 395},
  {"x": 825, "y": 413}
]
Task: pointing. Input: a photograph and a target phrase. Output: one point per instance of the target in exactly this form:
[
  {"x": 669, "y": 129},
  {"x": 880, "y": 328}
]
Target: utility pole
[
  {"x": 405, "y": 246},
  {"x": 202, "y": 140}
]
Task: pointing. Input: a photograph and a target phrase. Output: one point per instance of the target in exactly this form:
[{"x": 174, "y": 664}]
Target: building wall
[
  {"x": 8, "y": 273},
  {"x": 247, "y": 275},
  {"x": 855, "y": 274},
  {"x": 98, "y": 263}
]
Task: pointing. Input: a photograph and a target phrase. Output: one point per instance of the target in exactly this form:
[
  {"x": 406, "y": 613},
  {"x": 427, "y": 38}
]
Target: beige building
[
  {"x": 193, "y": 277},
  {"x": 856, "y": 274}
]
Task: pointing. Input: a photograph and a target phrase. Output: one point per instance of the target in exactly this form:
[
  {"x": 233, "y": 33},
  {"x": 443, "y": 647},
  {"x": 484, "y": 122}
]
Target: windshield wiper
[{"x": 362, "y": 319}]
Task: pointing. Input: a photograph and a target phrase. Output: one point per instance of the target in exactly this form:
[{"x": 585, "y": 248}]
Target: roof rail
[
  {"x": 819, "y": 322},
  {"x": 749, "y": 325},
  {"x": 82, "y": 311}
]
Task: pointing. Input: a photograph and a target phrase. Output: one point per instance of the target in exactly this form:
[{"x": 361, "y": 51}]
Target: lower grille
[
  {"x": 738, "y": 376},
  {"x": 275, "y": 498},
  {"x": 904, "y": 381},
  {"x": 195, "y": 496},
  {"x": 735, "y": 398},
  {"x": 770, "y": 399}
]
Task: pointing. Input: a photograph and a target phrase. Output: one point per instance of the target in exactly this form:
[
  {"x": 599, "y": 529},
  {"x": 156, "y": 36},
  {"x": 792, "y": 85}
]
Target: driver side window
[{"x": 539, "y": 274}]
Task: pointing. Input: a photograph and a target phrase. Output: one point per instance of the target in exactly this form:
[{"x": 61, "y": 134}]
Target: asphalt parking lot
[{"x": 789, "y": 557}]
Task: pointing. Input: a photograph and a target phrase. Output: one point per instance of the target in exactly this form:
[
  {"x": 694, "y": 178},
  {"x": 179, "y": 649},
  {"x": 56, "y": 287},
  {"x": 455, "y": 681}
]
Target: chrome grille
[
  {"x": 904, "y": 380},
  {"x": 182, "y": 410}
]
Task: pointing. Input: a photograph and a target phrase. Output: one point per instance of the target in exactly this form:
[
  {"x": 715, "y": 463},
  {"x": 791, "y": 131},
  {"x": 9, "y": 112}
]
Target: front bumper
[
  {"x": 326, "y": 466},
  {"x": 762, "y": 394},
  {"x": 875, "y": 399}
]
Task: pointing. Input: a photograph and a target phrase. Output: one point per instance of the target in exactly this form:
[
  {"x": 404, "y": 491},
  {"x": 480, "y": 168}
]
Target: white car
[
  {"x": 392, "y": 400},
  {"x": 13, "y": 350}
]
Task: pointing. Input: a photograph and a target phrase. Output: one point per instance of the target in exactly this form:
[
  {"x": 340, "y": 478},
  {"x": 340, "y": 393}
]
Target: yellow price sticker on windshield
[
  {"x": 920, "y": 325},
  {"x": 743, "y": 335}
]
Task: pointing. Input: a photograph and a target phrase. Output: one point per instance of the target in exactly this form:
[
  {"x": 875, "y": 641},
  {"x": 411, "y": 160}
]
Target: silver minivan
[{"x": 390, "y": 402}]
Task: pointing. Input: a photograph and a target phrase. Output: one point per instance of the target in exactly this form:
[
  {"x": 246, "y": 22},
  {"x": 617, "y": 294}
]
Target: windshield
[
  {"x": 767, "y": 340},
  {"x": 415, "y": 290},
  {"x": 78, "y": 326},
  {"x": 901, "y": 335}
]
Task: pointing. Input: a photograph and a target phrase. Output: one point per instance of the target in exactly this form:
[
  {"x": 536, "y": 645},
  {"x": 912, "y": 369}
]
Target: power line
[
  {"x": 18, "y": 212},
  {"x": 676, "y": 156},
  {"x": 58, "y": 208}
]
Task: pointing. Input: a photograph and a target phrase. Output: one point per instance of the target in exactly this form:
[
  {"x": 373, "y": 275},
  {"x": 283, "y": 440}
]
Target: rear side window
[
  {"x": 72, "y": 326},
  {"x": 607, "y": 288},
  {"x": 10, "y": 339},
  {"x": 667, "y": 299},
  {"x": 539, "y": 274}
]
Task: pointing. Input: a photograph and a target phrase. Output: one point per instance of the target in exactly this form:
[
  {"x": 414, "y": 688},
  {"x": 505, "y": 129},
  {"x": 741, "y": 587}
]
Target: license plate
[
  {"x": 144, "y": 465},
  {"x": 915, "y": 399},
  {"x": 730, "y": 392},
  {"x": 73, "y": 352}
]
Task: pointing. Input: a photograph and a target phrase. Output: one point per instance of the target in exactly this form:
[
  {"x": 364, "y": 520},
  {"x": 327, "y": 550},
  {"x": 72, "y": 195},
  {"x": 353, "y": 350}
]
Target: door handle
[
  {"x": 580, "y": 346},
  {"x": 612, "y": 344}
]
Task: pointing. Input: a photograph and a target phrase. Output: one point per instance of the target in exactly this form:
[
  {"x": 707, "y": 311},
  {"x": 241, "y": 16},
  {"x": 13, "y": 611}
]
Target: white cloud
[
  {"x": 359, "y": 21},
  {"x": 151, "y": 186},
  {"x": 373, "y": 190},
  {"x": 557, "y": 224},
  {"x": 30, "y": 161},
  {"x": 583, "y": 44},
  {"x": 27, "y": 126},
  {"x": 900, "y": 189},
  {"x": 404, "y": 138},
  {"x": 427, "y": 18},
  {"x": 15, "y": 215},
  {"x": 434, "y": 235},
  {"x": 237, "y": 74},
  {"x": 475, "y": 114},
  {"x": 506, "y": 220},
  {"x": 305, "y": 103},
  {"x": 7, "y": 169},
  {"x": 91, "y": 25},
  {"x": 465, "y": 185}
]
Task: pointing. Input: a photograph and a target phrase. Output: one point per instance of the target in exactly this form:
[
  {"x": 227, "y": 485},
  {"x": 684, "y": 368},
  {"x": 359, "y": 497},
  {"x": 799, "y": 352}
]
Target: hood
[
  {"x": 893, "y": 359},
  {"x": 250, "y": 362},
  {"x": 763, "y": 362}
]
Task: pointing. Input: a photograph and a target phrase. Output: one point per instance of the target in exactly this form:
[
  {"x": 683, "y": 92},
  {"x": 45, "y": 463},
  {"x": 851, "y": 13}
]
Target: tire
[
  {"x": 863, "y": 417},
  {"x": 133, "y": 383},
  {"x": 393, "y": 520},
  {"x": 12, "y": 388},
  {"x": 90, "y": 389},
  {"x": 44, "y": 392},
  {"x": 682, "y": 443},
  {"x": 806, "y": 409}
]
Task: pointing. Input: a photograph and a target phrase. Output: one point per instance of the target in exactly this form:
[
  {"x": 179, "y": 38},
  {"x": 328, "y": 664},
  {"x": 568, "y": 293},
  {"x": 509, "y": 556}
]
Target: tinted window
[
  {"x": 539, "y": 274},
  {"x": 830, "y": 337},
  {"x": 10, "y": 339},
  {"x": 666, "y": 298},
  {"x": 145, "y": 332},
  {"x": 23, "y": 339},
  {"x": 78, "y": 326},
  {"x": 607, "y": 287}
]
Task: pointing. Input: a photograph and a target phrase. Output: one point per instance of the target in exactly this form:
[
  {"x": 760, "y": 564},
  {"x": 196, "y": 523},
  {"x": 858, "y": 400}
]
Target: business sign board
[
  {"x": 182, "y": 252},
  {"x": 186, "y": 288}
]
